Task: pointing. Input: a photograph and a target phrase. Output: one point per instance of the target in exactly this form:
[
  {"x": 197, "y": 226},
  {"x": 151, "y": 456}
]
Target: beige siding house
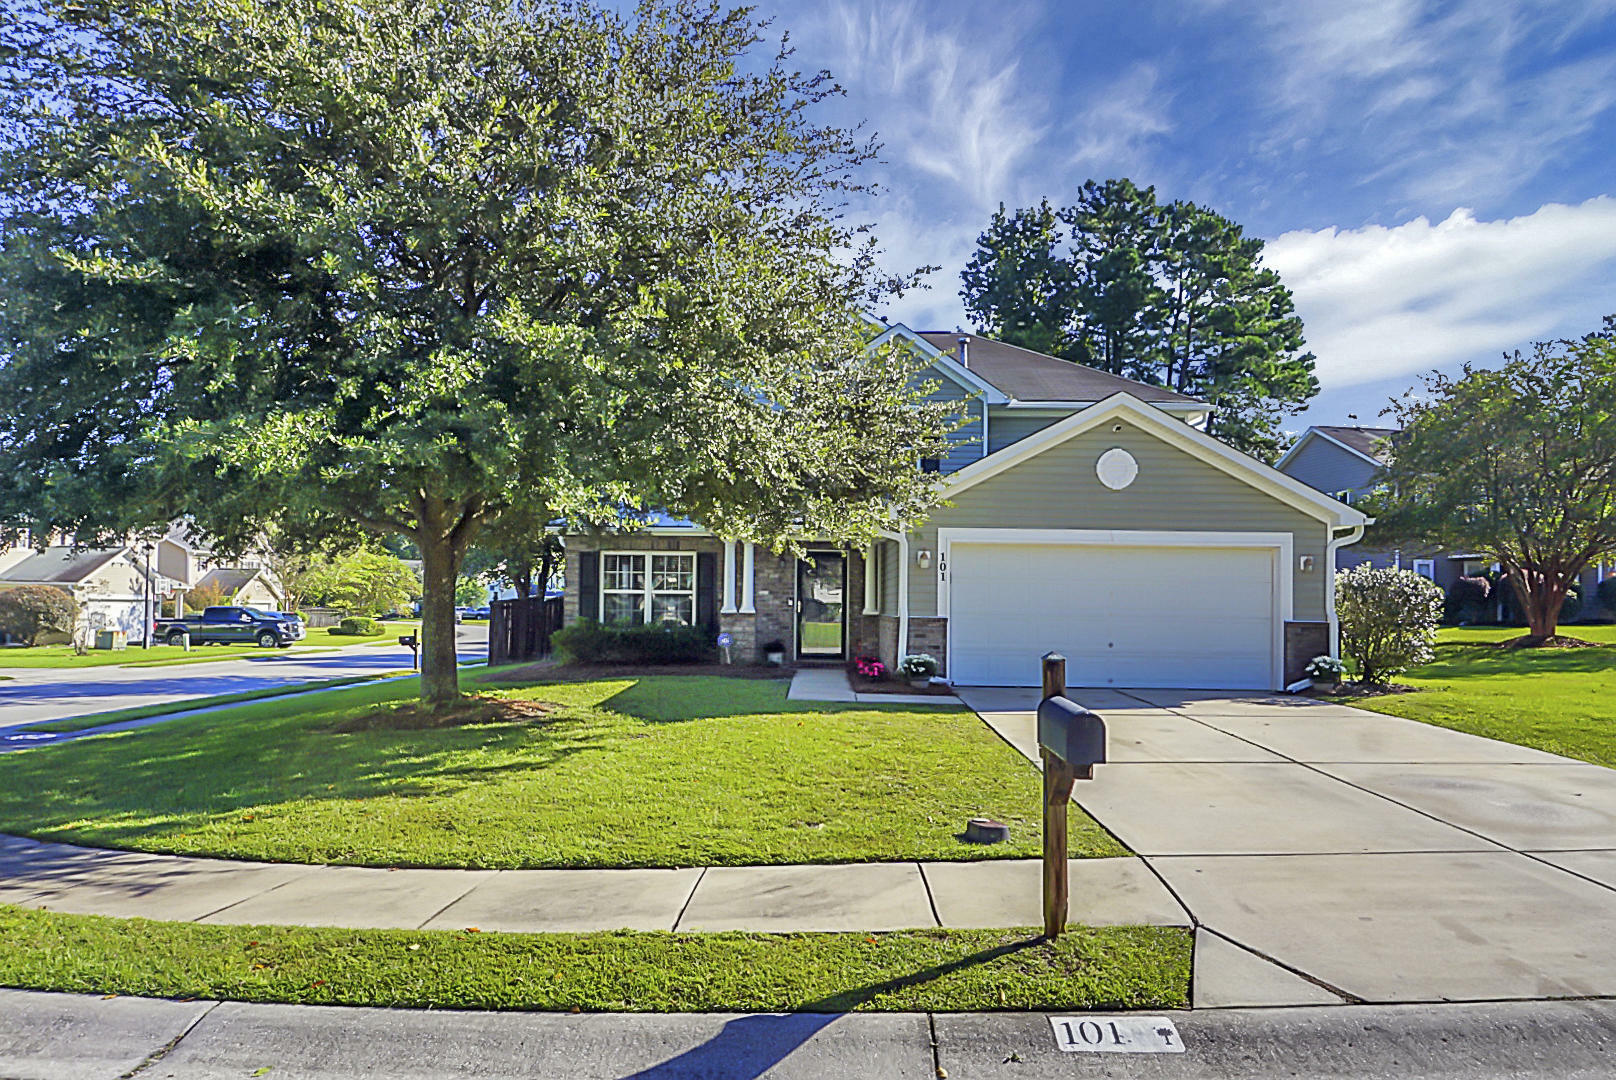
[{"x": 1081, "y": 513}]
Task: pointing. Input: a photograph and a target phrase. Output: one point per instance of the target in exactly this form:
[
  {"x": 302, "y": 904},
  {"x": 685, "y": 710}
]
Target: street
[{"x": 35, "y": 695}]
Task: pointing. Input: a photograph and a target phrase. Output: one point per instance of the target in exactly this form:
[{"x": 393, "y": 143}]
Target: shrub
[
  {"x": 1467, "y": 600},
  {"x": 1606, "y": 592},
  {"x": 917, "y": 666},
  {"x": 30, "y": 610},
  {"x": 590, "y": 642},
  {"x": 1571, "y": 609},
  {"x": 359, "y": 626},
  {"x": 1388, "y": 620},
  {"x": 1325, "y": 669},
  {"x": 869, "y": 667}
]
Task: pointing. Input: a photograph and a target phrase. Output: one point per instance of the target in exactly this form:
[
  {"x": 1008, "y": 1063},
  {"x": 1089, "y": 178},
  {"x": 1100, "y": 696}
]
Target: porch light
[{"x": 924, "y": 558}]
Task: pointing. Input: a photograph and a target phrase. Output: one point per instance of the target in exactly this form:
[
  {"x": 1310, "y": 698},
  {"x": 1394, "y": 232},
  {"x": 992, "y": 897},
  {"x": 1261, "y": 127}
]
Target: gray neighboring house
[
  {"x": 1079, "y": 512},
  {"x": 109, "y": 584},
  {"x": 1342, "y": 462}
]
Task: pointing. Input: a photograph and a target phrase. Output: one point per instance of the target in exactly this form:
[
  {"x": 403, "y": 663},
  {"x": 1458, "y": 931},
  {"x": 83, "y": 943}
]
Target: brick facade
[{"x": 1304, "y": 641}]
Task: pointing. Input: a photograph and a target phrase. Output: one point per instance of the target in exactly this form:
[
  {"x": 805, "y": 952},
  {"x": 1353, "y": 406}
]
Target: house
[
  {"x": 111, "y": 584},
  {"x": 184, "y": 556},
  {"x": 1079, "y": 512},
  {"x": 1345, "y": 463}
]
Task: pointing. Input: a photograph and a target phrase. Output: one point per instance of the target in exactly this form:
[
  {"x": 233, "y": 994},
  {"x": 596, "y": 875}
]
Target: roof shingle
[{"x": 1032, "y": 376}]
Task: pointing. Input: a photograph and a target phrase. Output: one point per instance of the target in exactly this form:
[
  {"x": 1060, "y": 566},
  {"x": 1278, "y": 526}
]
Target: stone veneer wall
[{"x": 1304, "y": 641}]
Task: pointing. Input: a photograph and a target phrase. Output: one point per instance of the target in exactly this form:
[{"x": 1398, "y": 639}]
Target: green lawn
[
  {"x": 1135, "y": 967},
  {"x": 1559, "y": 700},
  {"x": 664, "y": 771},
  {"x": 63, "y": 656}
]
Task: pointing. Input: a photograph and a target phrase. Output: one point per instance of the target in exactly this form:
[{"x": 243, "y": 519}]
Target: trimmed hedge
[
  {"x": 359, "y": 626},
  {"x": 590, "y": 642}
]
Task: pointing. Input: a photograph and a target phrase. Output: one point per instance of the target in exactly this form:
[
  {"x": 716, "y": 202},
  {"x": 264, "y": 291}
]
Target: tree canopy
[
  {"x": 1517, "y": 463},
  {"x": 409, "y": 265},
  {"x": 1172, "y": 294}
]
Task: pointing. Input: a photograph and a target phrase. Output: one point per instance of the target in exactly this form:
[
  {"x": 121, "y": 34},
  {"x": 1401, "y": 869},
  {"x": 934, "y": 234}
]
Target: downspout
[
  {"x": 1333, "y": 545},
  {"x": 903, "y": 595}
]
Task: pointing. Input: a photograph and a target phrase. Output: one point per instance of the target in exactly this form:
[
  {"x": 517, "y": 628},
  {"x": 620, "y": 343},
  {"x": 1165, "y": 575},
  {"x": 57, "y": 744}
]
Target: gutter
[{"x": 1335, "y": 544}]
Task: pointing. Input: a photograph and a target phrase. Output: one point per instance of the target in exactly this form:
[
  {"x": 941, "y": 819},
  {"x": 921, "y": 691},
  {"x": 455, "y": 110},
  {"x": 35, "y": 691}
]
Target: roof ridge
[{"x": 1034, "y": 354}]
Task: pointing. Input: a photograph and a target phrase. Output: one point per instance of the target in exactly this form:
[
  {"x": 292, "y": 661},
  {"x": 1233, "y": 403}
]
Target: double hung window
[{"x": 639, "y": 587}]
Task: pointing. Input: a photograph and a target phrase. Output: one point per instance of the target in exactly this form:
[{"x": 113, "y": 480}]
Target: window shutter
[
  {"x": 706, "y": 589},
  {"x": 589, "y": 585}
]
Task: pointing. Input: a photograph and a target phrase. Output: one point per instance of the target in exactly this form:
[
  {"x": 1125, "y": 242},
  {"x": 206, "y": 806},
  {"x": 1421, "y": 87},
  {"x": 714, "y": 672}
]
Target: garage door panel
[{"x": 1123, "y": 615}]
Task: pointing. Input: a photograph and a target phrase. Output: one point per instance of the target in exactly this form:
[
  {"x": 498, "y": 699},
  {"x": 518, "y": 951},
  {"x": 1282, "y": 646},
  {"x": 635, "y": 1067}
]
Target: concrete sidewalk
[
  {"x": 857, "y": 896},
  {"x": 1325, "y": 848},
  {"x": 56, "y": 1036}
]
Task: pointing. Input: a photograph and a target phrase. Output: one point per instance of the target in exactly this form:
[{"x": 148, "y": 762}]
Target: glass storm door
[{"x": 821, "y": 610}]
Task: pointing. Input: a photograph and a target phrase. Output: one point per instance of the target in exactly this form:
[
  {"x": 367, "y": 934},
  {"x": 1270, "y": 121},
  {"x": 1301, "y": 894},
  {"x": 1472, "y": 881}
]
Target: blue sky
[{"x": 1436, "y": 181}]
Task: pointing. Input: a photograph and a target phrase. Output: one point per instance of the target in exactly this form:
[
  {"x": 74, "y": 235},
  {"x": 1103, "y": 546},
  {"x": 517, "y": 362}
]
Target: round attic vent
[{"x": 1116, "y": 468}]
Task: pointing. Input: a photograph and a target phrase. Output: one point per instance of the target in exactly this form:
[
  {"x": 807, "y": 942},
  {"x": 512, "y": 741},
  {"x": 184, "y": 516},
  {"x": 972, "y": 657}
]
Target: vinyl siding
[
  {"x": 1326, "y": 467},
  {"x": 1006, "y": 426},
  {"x": 1175, "y": 491},
  {"x": 965, "y": 442}
]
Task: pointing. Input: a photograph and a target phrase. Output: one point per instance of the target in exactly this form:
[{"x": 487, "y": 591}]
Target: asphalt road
[
  {"x": 57, "y": 1036},
  {"x": 33, "y": 695}
]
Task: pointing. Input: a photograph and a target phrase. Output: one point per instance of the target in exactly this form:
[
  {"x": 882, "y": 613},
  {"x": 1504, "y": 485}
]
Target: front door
[{"x": 821, "y": 610}]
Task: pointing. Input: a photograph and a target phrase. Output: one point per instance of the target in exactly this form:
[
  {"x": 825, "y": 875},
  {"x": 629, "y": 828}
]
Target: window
[
  {"x": 648, "y": 587},
  {"x": 1426, "y": 568},
  {"x": 1344, "y": 496}
]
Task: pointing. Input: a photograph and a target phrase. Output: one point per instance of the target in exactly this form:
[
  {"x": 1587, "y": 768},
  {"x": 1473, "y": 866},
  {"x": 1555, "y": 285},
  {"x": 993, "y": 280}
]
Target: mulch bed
[
  {"x": 1359, "y": 690},
  {"x": 469, "y": 711},
  {"x": 553, "y": 671},
  {"x": 862, "y": 685},
  {"x": 1558, "y": 641}
]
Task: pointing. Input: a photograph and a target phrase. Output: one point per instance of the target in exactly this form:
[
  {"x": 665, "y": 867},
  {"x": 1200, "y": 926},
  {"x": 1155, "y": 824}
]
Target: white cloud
[
  {"x": 1461, "y": 102},
  {"x": 1113, "y": 135},
  {"x": 1382, "y": 302}
]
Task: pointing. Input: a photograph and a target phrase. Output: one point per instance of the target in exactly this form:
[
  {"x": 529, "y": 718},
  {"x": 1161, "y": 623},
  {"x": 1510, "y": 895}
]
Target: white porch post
[
  {"x": 870, "y": 600},
  {"x": 729, "y": 579},
  {"x": 903, "y": 595},
  {"x": 748, "y": 581}
]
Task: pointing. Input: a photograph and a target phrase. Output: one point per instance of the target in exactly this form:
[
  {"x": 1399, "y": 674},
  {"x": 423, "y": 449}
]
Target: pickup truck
[{"x": 233, "y": 626}]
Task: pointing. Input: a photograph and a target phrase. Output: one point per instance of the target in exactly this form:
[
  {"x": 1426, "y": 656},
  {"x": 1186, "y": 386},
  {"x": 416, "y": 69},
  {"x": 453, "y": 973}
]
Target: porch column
[
  {"x": 870, "y": 600},
  {"x": 903, "y": 595},
  {"x": 748, "y": 581},
  {"x": 729, "y": 579}
]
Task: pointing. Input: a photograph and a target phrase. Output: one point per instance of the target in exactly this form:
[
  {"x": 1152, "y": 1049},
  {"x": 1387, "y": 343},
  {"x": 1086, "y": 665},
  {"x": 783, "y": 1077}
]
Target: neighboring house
[
  {"x": 1086, "y": 514},
  {"x": 109, "y": 583},
  {"x": 185, "y": 557},
  {"x": 1344, "y": 463}
]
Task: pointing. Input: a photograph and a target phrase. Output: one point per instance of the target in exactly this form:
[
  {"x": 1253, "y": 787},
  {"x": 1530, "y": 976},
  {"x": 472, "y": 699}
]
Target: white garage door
[{"x": 1121, "y": 615}]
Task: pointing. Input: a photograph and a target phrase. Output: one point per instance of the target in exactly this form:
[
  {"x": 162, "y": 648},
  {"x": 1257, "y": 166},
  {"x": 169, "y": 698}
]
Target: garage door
[{"x": 1121, "y": 615}]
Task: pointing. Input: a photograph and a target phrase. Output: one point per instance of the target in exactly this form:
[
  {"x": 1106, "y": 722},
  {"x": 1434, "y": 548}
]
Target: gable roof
[
  {"x": 61, "y": 565},
  {"x": 943, "y": 362},
  {"x": 1368, "y": 443},
  {"x": 1033, "y": 376},
  {"x": 1174, "y": 432},
  {"x": 229, "y": 580}
]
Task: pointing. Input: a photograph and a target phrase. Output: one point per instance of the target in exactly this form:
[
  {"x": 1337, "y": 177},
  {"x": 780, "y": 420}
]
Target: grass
[
  {"x": 1134, "y": 967},
  {"x": 653, "y": 771},
  {"x": 142, "y": 712},
  {"x": 1559, "y": 700},
  {"x": 63, "y": 656}
]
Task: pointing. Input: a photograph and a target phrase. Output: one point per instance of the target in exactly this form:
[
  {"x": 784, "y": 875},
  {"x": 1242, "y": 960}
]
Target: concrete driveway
[{"x": 1332, "y": 854}]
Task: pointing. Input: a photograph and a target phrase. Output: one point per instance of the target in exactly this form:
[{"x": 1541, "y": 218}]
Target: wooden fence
[{"x": 520, "y": 629}]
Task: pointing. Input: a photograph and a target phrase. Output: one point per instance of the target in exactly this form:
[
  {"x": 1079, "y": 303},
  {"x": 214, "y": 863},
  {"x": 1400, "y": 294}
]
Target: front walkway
[
  {"x": 855, "y": 897},
  {"x": 832, "y": 684},
  {"x": 1328, "y": 853}
]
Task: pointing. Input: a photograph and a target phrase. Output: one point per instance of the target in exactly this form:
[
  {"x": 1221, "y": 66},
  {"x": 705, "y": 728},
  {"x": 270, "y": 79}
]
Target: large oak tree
[
  {"x": 1517, "y": 463},
  {"x": 408, "y": 265}
]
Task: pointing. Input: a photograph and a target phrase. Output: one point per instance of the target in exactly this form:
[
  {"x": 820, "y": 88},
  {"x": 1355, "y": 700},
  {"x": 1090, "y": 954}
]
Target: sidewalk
[
  {"x": 64, "y": 1035},
  {"x": 831, "y": 684},
  {"x": 858, "y": 896}
]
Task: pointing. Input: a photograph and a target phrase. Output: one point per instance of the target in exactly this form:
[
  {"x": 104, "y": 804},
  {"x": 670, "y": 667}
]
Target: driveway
[
  {"x": 1332, "y": 854},
  {"x": 34, "y": 695}
]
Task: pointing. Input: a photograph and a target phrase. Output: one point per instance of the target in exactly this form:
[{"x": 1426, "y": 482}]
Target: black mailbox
[
  {"x": 407, "y": 640},
  {"x": 1072, "y": 733}
]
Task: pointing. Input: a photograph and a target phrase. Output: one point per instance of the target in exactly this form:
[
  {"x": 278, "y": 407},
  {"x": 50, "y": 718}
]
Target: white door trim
[{"x": 1282, "y": 545}]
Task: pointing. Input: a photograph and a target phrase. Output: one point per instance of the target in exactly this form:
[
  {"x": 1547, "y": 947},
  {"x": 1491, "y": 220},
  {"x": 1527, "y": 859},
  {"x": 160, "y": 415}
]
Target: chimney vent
[{"x": 965, "y": 350}]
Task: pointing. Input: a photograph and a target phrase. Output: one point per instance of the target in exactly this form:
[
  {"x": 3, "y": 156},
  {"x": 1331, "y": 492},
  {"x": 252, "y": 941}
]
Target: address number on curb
[{"x": 1118, "y": 1035}]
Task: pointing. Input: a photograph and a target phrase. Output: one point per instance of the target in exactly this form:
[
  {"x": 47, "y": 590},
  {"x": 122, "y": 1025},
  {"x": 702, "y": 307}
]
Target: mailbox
[
  {"x": 1072, "y": 733},
  {"x": 412, "y": 642},
  {"x": 407, "y": 640}
]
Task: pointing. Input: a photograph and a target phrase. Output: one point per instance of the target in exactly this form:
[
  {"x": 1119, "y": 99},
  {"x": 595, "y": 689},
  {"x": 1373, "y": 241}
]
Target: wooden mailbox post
[{"x": 1071, "y": 741}]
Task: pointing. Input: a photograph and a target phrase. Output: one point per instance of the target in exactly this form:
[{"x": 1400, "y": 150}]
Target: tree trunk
[
  {"x": 440, "y": 565},
  {"x": 1542, "y": 597}
]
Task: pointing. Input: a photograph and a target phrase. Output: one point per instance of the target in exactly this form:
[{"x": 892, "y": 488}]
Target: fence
[{"x": 520, "y": 629}]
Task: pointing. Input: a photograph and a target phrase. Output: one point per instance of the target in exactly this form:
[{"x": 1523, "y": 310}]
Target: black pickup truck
[{"x": 232, "y": 626}]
